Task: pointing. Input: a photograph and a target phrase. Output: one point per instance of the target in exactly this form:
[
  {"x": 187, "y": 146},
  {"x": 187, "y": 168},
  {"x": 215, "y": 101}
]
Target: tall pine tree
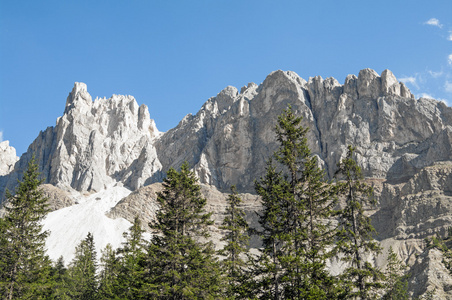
[
  {"x": 235, "y": 262},
  {"x": 271, "y": 265},
  {"x": 132, "y": 260},
  {"x": 180, "y": 264},
  {"x": 297, "y": 202},
  {"x": 61, "y": 280},
  {"x": 355, "y": 240},
  {"x": 396, "y": 284},
  {"x": 83, "y": 270},
  {"x": 109, "y": 282},
  {"x": 24, "y": 266}
]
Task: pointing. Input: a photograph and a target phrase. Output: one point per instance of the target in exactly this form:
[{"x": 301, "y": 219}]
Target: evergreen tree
[
  {"x": 83, "y": 270},
  {"x": 24, "y": 266},
  {"x": 396, "y": 279},
  {"x": 61, "y": 281},
  {"x": 236, "y": 249},
  {"x": 109, "y": 283},
  {"x": 132, "y": 260},
  {"x": 355, "y": 240},
  {"x": 297, "y": 202},
  {"x": 273, "y": 190},
  {"x": 122, "y": 272},
  {"x": 180, "y": 264}
]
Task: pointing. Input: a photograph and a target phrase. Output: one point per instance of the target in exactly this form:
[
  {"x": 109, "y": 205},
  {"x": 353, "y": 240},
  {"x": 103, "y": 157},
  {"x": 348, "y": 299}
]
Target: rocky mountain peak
[
  {"x": 79, "y": 96},
  {"x": 369, "y": 84},
  {"x": 8, "y": 158},
  {"x": 97, "y": 143}
]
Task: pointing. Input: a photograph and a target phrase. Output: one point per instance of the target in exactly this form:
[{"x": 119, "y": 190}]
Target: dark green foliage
[
  {"x": 122, "y": 275},
  {"x": 273, "y": 190},
  {"x": 24, "y": 267},
  {"x": 355, "y": 239},
  {"x": 396, "y": 280},
  {"x": 132, "y": 259},
  {"x": 297, "y": 201},
  {"x": 180, "y": 265},
  {"x": 61, "y": 280},
  {"x": 235, "y": 262},
  {"x": 109, "y": 284},
  {"x": 82, "y": 270}
]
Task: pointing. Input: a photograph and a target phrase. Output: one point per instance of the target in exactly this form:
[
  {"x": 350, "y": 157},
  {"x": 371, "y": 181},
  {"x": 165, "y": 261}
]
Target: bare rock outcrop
[
  {"x": 8, "y": 158},
  {"x": 142, "y": 203},
  {"x": 232, "y": 135},
  {"x": 56, "y": 198},
  {"x": 95, "y": 144},
  {"x": 430, "y": 278}
]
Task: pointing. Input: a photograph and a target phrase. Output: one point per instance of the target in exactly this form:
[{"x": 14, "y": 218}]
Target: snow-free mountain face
[
  {"x": 96, "y": 144},
  {"x": 8, "y": 158},
  {"x": 101, "y": 151}
]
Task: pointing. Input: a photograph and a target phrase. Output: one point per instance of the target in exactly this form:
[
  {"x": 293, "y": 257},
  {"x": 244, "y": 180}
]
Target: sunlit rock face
[
  {"x": 230, "y": 138},
  {"x": 95, "y": 144},
  {"x": 8, "y": 158}
]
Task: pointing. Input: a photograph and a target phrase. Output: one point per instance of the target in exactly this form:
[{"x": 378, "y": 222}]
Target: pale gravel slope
[{"x": 69, "y": 225}]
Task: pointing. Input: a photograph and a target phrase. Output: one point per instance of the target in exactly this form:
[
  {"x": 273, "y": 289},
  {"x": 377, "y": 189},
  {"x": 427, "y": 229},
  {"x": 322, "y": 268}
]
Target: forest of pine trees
[{"x": 302, "y": 227}]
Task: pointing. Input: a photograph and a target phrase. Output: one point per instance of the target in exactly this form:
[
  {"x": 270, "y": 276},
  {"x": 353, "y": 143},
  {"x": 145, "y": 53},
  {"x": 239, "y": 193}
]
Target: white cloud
[
  {"x": 411, "y": 80},
  {"x": 435, "y": 74},
  {"x": 449, "y": 38},
  {"x": 1, "y": 136},
  {"x": 449, "y": 59},
  {"x": 434, "y": 22},
  {"x": 448, "y": 86},
  {"x": 425, "y": 95}
]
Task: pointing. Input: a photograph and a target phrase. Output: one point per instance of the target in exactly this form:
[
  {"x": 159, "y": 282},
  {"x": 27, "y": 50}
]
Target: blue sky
[{"x": 174, "y": 55}]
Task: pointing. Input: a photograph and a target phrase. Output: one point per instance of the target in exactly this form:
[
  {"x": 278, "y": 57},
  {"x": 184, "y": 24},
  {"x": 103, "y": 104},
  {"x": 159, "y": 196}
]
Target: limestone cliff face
[
  {"x": 230, "y": 138},
  {"x": 95, "y": 144},
  {"x": 8, "y": 158}
]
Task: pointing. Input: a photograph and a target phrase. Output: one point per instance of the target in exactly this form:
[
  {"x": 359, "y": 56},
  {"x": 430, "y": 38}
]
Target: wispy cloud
[
  {"x": 448, "y": 86},
  {"x": 449, "y": 59},
  {"x": 434, "y": 22},
  {"x": 1, "y": 136},
  {"x": 425, "y": 95},
  {"x": 435, "y": 74},
  {"x": 411, "y": 80},
  {"x": 449, "y": 38}
]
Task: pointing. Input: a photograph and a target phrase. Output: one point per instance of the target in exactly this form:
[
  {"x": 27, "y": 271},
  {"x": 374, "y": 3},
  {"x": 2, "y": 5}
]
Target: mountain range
[{"x": 104, "y": 160}]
